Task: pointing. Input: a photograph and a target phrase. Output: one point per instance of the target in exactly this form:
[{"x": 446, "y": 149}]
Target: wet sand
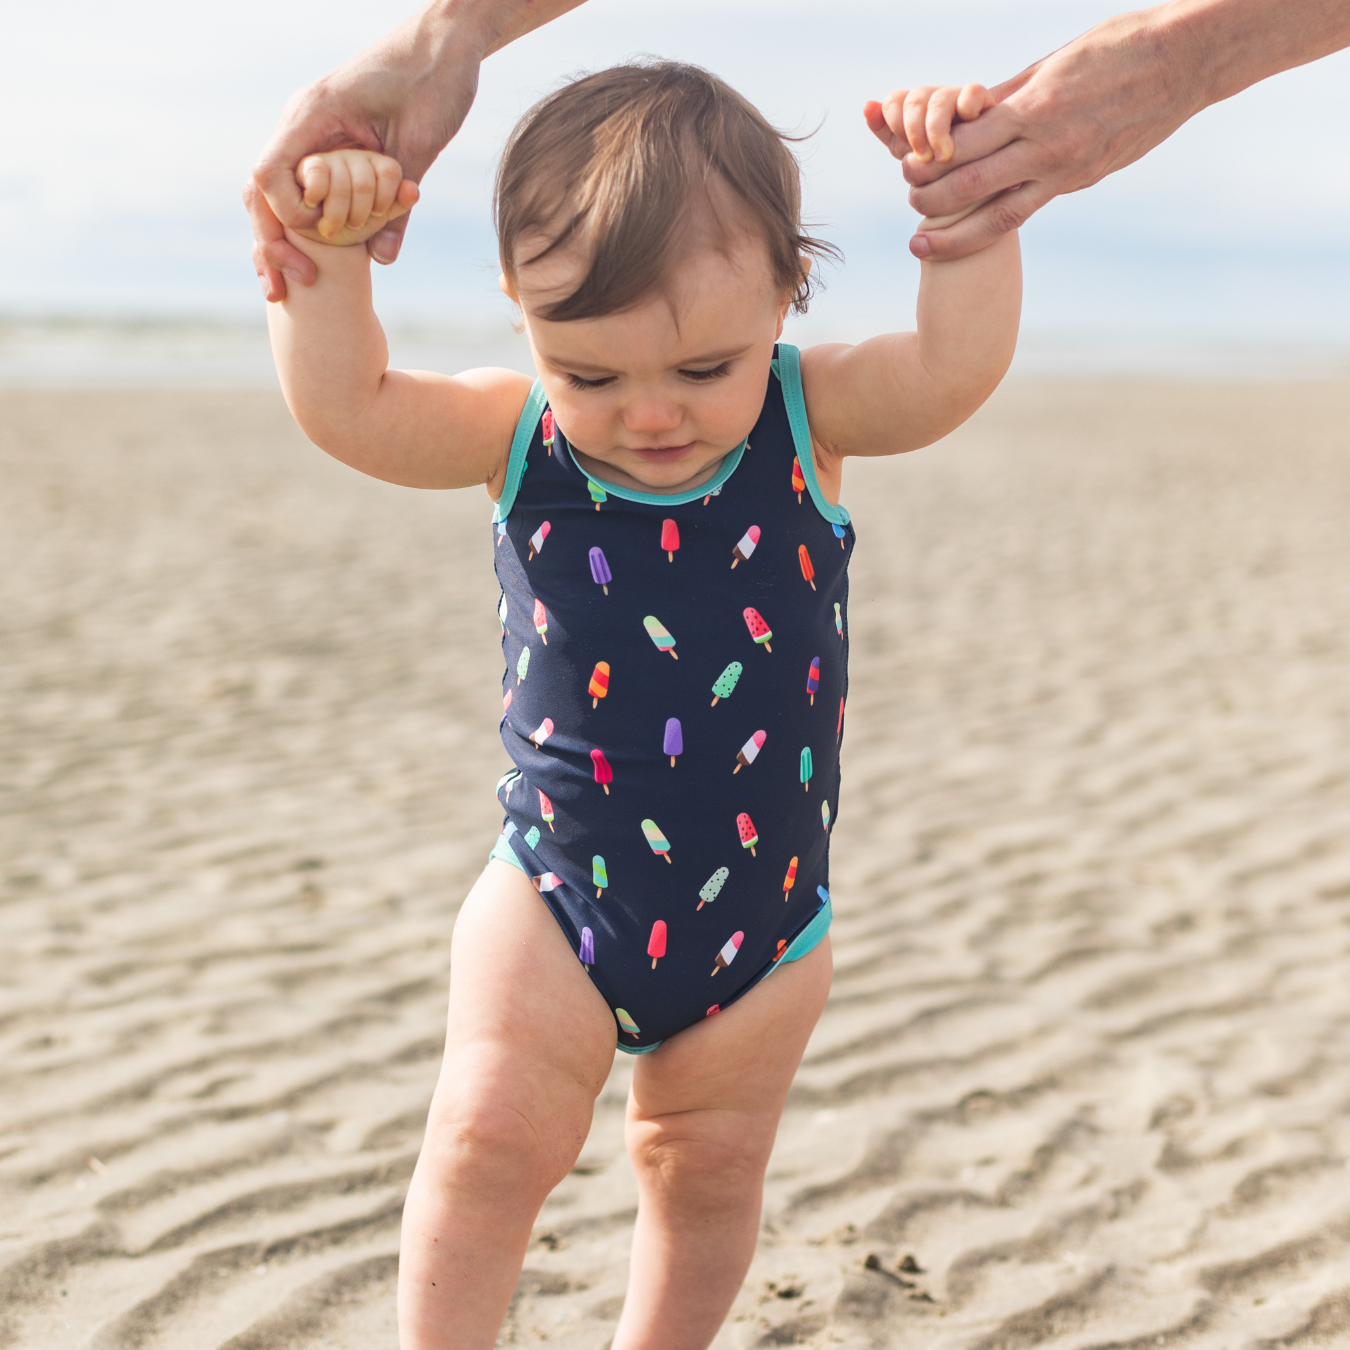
[{"x": 1082, "y": 1082}]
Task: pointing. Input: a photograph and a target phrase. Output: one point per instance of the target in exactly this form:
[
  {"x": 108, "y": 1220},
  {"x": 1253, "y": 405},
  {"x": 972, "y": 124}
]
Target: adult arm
[
  {"x": 1104, "y": 101},
  {"x": 404, "y": 96}
]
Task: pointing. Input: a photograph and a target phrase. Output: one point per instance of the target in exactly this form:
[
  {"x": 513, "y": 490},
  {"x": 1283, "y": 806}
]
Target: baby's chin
[{"x": 670, "y": 472}]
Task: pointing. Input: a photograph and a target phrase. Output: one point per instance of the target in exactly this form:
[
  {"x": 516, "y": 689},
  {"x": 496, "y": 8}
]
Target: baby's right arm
[{"x": 415, "y": 428}]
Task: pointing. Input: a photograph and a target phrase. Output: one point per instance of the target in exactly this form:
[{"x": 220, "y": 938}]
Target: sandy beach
[{"x": 1084, "y": 1079}]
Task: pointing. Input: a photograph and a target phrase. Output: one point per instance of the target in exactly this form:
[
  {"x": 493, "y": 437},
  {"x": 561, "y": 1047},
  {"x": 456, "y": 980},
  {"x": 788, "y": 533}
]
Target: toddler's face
[{"x": 655, "y": 397}]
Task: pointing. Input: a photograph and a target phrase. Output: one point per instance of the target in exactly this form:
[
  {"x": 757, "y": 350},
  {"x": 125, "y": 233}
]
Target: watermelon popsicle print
[
  {"x": 790, "y": 880},
  {"x": 660, "y": 635},
  {"x": 600, "y": 569},
  {"x": 546, "y": 810},
  {"x": 537, "y": 539},
  {"x": 599, "y": 685},
  {"x": 728, "y": 953},
  {"x": 813, "y": 679},
  {"x": 604, "y": 775},
  {"x": 548, "y": 429},
  {"x": 673, "y": 742},
  {"x": 745, "y": 756},
  {"x": 541, "y": 621},
  {"x": 759, "y": 630},
  {"x": 808, "y": 569},
  {"x": 711, "y": 888},
  {"x": 659, "y": 843},
  {"x": 726, "y": 682},
  {"x": 741, "y": 553},
  {"x": 745, "y": 827},
  {"x": 656, "y": 944},
  {"x": 670, "y": 538}
]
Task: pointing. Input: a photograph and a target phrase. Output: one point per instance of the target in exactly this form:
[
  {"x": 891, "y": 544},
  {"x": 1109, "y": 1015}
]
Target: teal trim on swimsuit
[
  {"x": 503, "y": 852},
  {"x": 789, "y": 370},
  {"x": 520, "y": 448},
  {"x": 670, "y": 498}
]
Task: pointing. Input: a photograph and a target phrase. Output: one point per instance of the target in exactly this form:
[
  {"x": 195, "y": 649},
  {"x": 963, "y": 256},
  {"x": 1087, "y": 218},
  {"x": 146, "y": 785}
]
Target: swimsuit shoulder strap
[
  {"x": 788, "y": 368},
  {"x": 520, "y": 449}
]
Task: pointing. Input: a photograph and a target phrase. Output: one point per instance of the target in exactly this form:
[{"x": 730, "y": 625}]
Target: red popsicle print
[
  {"x": 656, "y": 944},
  {"x": 798, "y": 482},
  {"x": 813, "y": 679},
  {"x": 790, "y": 880},
  {"x": 759, "y": 630},
  {"x": 808, "y": 570},
  {"x": 604, "y": 775},
  {"x": 670, "y": 538}
]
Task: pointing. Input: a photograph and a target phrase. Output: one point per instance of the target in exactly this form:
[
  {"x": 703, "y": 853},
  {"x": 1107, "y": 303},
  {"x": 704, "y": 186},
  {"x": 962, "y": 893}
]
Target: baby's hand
[
  {"x": 360, "y": 192},
  {"x": 920, "y": 120}
]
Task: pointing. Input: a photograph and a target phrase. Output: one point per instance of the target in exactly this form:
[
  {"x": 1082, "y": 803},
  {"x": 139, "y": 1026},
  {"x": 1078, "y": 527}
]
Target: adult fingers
[
  {"x": 362, "y": 174},
  {"x": 337, "y": 204},
  {"x": 1007, "y": 211},
  {"x": 997, "y": 128},
  {"x": 937, "y": 122},
  {"x": 384, "y": 246},
  {"x": 1007, "y": 168},
  {"x": 913, "y": 112}
]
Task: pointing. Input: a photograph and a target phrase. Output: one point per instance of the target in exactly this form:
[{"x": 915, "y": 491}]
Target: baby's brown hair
[{"x": 623, "y": 156}]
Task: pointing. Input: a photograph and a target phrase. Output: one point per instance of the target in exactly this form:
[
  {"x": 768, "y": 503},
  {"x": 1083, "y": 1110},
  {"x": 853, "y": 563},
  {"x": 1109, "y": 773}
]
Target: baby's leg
[
  {"x": 702, "y": 1116},
  {"x": 529, "y": 1046}
]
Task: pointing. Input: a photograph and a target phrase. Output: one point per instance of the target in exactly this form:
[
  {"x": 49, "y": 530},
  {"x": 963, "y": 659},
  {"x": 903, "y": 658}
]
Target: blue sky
[{"x": 141, "y": 121}]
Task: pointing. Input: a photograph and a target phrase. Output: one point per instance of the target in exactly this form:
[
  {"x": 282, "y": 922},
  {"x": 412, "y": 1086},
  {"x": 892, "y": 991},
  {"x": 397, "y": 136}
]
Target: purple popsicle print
[
  {"x": 674, "y": 741},
  {"x": 587, "y": 948},
  {"x": 600, "y": 569}
]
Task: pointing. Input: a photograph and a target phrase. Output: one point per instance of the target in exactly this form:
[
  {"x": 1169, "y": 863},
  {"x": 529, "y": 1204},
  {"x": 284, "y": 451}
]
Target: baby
[{"x": 673, "y": 562}]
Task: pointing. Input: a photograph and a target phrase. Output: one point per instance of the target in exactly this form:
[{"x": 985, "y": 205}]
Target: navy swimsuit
[{"x": 676, "y": 670}]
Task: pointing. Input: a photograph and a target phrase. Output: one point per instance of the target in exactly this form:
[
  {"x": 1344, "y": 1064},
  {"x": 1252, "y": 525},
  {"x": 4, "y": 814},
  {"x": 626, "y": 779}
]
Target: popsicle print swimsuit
[{"x": 676, "y": 670}]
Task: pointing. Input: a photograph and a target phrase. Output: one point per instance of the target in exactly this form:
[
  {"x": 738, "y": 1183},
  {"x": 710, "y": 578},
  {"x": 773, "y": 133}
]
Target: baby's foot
[{"x": 360, "y": 192}]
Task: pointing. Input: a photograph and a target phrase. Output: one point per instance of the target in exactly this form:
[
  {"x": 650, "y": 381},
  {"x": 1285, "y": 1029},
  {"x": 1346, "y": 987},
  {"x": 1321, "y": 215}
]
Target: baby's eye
[
  {"x": 716, "y": 372},
  {"x": 577, "y": 382}
]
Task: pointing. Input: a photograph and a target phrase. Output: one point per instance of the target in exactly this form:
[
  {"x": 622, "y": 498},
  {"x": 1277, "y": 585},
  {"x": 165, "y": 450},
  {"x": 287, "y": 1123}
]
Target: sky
[{"x": 142, "y": 120}]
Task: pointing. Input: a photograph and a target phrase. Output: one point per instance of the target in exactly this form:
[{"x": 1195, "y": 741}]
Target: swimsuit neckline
[{"x": 714, "y": 484}]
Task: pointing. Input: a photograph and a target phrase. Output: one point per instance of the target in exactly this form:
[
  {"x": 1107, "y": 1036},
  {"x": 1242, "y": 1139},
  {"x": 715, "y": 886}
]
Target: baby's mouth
[{"x": 662, "y": 454}]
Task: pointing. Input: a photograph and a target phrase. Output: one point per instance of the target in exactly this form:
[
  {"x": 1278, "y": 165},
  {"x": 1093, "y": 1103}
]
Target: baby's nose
[{"x": 648, "y": 414}]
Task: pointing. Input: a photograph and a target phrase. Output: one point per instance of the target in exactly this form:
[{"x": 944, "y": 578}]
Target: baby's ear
[{"x": 508, "y": 288}]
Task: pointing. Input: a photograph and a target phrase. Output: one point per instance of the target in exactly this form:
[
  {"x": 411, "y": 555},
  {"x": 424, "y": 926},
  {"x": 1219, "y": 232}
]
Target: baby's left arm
[{"x": 906, "y": 390}]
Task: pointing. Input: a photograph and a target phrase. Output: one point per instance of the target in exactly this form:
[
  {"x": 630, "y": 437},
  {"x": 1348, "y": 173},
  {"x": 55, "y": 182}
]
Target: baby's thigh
[{"x": 525, "y": 1022}]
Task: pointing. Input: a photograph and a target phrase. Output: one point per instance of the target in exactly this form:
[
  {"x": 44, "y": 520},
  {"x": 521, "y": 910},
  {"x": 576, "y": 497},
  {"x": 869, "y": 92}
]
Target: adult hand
[
  {"x": 404, "y": 97},
  {"x": 1101, "y": 103}
]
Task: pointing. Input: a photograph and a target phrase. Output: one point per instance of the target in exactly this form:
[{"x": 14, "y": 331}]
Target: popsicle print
[
  {"x": 660, "y": 635},
  {"x": 745, "y": 756},
  {"x": 502, "y": 612},
  {"x": 825, "y": 815},
  {"x": 728, "y": 953},
  {"x": 726, "y": 682},
  {"x": 599, "y": 685},
  {"x": 824, "y": 896},
  {"x": 546, "y": 810},
  {"x": 839, "y": 730},
  {"x": 600, "y": 568},
  {"x": 537, "y": 539},
  {"x": 673, "y": 742},
  {"x": 599, "y": 875},
  {"x": 550, "y": 881},
  {"x": 598, "y": 494},
  {"x": 838, "y": 620},
  {"x": 548, "y": 428},
  {"x": 506, "y": 702},
  {"x": 670, "y": 538},
  {"x": 790, "y": 880},
  {"x": 782, "y": 947},
  {"x": 587, "y": 952},
  {"x": 716, "y": 1007},
  {"x": 813, "y": 679},
  {"x": 741, "y": 553},
  {"x": 746, "y": 828},
  {"x": 717, "y": 492},
  {"x": 604, "y": 775},
  {"x": 808, "y": 570},
  {"x": 807, "y": 767},
  {"x": 523, "y": 665},
  {"x": 532, "y": 836},
  {"x": 798, "y": 482},
  {"x": 656, "y": 944},
  {"x": 501, "y": 532},
  {"x": 759, "y": 630},
  {"x": 839, "y": 535},
  {"x": 507, "y": 781},
  {"x": 658, "y": 841},
  {"x": 711, "y": 888},
  {"x": 626, "y": 1023},
  {"x": 541, "y": 621},
  {"x": 542, "y": 732}
]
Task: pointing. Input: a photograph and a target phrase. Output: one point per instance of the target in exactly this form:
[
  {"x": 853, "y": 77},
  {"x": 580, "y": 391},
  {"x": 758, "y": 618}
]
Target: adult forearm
[{"x": 1225, "y": 46}]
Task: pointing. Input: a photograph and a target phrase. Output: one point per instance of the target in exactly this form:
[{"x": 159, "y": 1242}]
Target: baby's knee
[{"x": 700, "y": 1154}]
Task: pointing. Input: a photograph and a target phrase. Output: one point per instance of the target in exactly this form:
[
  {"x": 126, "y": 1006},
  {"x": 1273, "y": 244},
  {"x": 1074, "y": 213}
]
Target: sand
[{"x": 1083, "y": 1078}]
